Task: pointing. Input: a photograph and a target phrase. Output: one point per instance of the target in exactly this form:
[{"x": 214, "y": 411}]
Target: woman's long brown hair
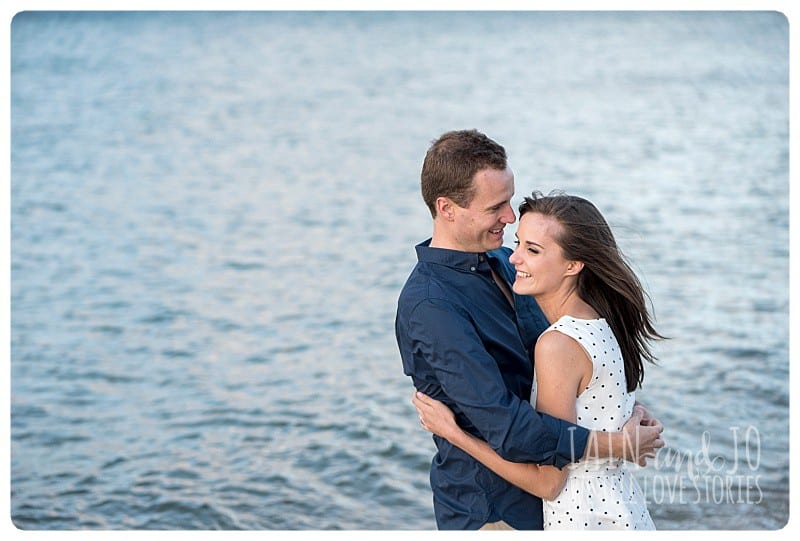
[{"x": 606, "y": 282}]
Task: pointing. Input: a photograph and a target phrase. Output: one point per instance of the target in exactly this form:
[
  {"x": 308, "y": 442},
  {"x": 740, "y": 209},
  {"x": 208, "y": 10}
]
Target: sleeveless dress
[{"x": 600, "y": 494}]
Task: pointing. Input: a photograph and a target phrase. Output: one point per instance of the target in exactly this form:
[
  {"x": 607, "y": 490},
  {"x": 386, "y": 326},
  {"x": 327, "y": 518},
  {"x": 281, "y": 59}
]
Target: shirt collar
[{"x": 467, "y": 261}]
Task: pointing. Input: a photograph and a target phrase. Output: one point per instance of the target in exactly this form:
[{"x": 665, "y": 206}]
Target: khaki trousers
[{"x": 500, "y": 525}]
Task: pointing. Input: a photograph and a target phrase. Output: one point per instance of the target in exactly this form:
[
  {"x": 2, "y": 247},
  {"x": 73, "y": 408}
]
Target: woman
[{"x": 588, "y": 363}]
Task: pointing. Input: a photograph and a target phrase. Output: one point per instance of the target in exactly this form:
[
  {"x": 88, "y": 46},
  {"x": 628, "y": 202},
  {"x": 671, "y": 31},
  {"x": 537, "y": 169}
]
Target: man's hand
[
  {"x": 639, "y": 439},
  {"x": 641, "y": 436},
  {"x": 647, "y": 417}
]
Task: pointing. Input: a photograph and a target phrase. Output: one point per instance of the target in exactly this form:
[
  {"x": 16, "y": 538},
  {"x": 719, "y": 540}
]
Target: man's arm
[
  {"x": 542, "y": 481},
  {"x": 638, "y": 440},
  {"x": 470, "y": 377}
]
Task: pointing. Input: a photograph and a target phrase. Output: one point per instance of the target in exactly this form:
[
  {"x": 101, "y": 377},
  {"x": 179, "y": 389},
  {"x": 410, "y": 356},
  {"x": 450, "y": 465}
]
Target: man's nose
[{"x": 508, "y": 215}]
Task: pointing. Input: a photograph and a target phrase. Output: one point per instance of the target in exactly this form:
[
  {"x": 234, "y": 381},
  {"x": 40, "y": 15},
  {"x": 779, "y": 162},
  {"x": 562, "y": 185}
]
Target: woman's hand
[{"x": 436, "y": 417}]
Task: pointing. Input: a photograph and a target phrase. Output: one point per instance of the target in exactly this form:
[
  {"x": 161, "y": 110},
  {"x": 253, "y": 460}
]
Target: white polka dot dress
[{"x": 599, "y": 494}]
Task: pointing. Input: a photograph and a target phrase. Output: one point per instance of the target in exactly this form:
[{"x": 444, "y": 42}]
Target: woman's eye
[{"x": 516, "y": 243}]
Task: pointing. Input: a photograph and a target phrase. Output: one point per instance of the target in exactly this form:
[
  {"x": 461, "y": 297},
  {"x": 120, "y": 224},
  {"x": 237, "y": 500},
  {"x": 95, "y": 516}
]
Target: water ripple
[{"x": 207, "y": 246}]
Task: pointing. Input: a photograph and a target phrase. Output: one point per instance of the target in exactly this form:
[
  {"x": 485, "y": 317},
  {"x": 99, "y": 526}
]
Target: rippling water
[{"x": 212, "y": 215}]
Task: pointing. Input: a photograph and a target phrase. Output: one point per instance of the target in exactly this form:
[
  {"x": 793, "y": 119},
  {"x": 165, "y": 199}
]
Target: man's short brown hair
[{"x": 451, "y": 163}]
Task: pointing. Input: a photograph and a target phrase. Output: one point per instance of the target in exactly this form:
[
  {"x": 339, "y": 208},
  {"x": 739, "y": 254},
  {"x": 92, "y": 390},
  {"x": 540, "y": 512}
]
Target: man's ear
[
  {"x": 445, "y": 208},
  {"x": 574, "y": 268}
]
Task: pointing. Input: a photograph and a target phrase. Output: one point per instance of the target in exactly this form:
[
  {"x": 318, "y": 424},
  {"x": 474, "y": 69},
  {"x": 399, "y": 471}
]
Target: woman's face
[{"x": 539, "y": 260}]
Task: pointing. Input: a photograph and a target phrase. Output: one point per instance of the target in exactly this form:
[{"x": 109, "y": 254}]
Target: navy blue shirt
[{"x": 463, "y": 343}]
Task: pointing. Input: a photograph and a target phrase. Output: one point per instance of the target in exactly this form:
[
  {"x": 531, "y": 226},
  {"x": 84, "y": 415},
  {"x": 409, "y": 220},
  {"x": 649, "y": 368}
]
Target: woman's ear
[{"x": 574, "y": 268}]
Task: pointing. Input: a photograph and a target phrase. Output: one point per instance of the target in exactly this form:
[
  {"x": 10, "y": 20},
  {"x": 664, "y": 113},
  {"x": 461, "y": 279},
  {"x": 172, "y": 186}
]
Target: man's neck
[
  {"x": 441, "y": 243},
  {"x": 441, "y": 239}
]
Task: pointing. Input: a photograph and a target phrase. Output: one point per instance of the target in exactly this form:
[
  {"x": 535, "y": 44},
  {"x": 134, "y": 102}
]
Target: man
[{"x": 466, "y": 339}]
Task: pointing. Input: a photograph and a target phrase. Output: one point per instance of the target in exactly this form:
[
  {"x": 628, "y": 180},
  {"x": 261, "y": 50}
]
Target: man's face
[{"x": 479, "y": 226}]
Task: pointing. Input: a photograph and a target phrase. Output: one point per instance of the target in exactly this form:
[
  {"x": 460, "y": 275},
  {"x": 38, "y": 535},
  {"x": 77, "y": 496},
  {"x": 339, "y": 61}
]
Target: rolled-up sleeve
[{"x": 446, "y": 338}]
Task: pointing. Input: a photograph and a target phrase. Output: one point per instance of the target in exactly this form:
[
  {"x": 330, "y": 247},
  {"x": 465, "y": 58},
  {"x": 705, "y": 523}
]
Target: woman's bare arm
[
  {"x": 560, "y": 366},
  {"x": 542, "y": 481}
]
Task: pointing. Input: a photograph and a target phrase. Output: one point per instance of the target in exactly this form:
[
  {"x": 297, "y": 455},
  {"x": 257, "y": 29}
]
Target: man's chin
[{"x": 494, "y": 244}]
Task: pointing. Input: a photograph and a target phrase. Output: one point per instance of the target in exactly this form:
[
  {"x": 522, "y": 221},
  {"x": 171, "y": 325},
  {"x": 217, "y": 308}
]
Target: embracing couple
[{"x": 526, "y": 361}]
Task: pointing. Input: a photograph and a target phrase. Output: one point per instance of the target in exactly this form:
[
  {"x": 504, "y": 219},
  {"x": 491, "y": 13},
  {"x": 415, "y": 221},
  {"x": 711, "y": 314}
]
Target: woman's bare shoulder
[{"x": 557, "y": 347}]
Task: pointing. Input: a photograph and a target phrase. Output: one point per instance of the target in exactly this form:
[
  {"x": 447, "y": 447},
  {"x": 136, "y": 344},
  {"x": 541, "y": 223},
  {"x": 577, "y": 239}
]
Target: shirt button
[
  {"x": 480, "y": 258},
  {"x": 472, "y": 269}
]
